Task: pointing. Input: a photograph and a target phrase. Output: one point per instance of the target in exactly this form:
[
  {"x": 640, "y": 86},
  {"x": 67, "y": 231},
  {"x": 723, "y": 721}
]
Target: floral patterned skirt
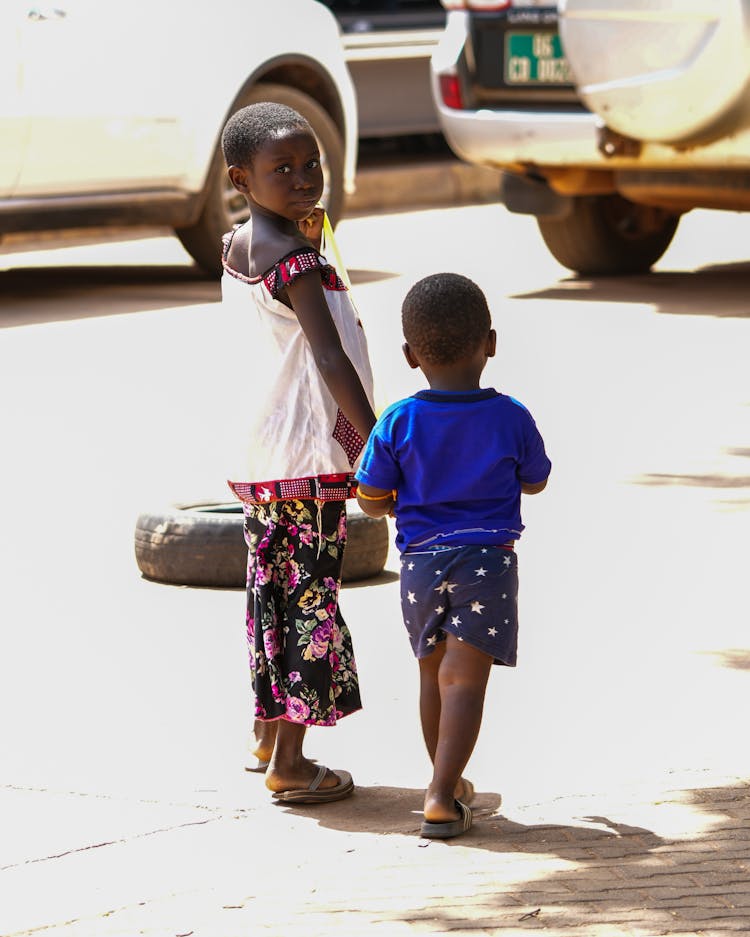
[{"x": 301, "y": 656}]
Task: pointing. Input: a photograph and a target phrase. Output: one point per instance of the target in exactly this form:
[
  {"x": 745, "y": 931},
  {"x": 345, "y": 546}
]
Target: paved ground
[{"x": 618, "y": 747}]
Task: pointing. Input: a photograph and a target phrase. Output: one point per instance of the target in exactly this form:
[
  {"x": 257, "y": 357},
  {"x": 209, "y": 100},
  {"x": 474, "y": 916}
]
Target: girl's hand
[{"x": 312, "y": 226}]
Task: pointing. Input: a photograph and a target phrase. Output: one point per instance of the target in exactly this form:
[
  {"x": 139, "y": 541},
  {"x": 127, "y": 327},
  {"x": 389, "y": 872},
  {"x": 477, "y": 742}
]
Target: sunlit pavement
[{"x": 618, "y": 744}]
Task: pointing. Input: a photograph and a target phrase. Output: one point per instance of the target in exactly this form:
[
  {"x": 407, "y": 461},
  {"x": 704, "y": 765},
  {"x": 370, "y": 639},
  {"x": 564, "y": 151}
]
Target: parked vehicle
[
  {"x": 387, "y": 45},
  {"x": 115, "y": 119},
  {"x": 609, "y": 119}
]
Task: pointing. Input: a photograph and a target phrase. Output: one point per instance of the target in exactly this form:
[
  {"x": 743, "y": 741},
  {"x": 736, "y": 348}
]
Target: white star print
[
  {"x": 484, "y": 549},
  {"x": 438, "y": 572},
  {"x": 411, "y": 598},
  {"x": 432, "y": 640},
  {"x": 456, "y": 621},
  {"x": 445, "y": 586},
  {"x": 506, "y": 560},
  {"x": 410, "y": 566},
  {"x": 481, "y": 571},
  {"x": 492, "y": 632},
  {"x": 507, "y": 621},
  {"x": 439, "y": 610},
  {"x": 504, "y": 595},
  {"x": 477, "y": 607}
]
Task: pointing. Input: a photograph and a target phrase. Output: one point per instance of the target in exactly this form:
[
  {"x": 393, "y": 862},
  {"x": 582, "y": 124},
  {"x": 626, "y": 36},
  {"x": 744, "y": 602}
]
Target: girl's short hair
[
  {"x": 445, "y": 317},
  {"x": 249, "y": 128}
]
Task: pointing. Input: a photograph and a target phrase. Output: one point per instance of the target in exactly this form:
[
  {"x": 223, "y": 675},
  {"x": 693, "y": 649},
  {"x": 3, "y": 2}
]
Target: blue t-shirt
[{"x": 457, "y": 461}]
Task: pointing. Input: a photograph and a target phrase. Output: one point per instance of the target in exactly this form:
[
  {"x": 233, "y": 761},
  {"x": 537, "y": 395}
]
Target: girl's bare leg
[
  {"x": 289, "y": 769},
  {"x": 462, "y": 677},
  {"x": 265, "y": 739}
]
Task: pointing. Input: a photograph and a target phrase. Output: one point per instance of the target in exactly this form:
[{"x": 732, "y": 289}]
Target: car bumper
[{"x": 504, "y": 138}]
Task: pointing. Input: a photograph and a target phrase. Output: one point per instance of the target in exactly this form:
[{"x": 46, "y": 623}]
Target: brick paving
[{"x": 676, "y": 864}]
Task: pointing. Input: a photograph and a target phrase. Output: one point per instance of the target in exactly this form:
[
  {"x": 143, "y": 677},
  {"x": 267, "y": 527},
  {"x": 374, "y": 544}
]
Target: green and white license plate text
[{"x": 535, "y": 58}]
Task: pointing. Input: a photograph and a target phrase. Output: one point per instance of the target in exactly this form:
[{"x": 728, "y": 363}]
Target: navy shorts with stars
[{"x": 467, "y": 591}]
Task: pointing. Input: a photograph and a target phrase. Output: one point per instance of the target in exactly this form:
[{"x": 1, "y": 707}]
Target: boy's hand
[{"x": 312, "y": 226}]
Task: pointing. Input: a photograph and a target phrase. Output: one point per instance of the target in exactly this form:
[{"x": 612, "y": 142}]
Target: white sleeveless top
[{"x": 293, "y": 426}]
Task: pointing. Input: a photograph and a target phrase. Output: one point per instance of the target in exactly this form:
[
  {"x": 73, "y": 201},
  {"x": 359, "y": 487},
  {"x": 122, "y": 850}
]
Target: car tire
[
  {"x": 203, "y": 545},
  {"x": 223, "y": 207},
  {"x": 606, "y": 235}
]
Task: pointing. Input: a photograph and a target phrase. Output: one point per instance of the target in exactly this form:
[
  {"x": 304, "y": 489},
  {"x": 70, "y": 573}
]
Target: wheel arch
[{"x": 304, "y": 74}]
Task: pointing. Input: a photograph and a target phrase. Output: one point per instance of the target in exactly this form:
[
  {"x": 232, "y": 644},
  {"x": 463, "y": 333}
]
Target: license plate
[{"x": 535, "y": 59}]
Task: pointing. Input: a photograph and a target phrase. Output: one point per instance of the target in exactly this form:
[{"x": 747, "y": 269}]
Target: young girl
[{"x": 308, "y": 408}]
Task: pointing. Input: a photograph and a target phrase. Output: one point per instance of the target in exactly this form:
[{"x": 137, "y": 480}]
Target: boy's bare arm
[
  {"x": 375, "y": 502},
  {"x": 534, "y": 489}
]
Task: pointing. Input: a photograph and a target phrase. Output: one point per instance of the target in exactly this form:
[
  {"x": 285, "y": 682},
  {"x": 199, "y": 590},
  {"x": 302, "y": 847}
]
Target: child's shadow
[{"x": 389, "y": 810}]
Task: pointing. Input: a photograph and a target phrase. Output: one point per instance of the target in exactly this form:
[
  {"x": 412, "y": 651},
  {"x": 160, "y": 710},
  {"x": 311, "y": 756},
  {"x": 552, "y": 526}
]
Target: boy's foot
[
  {"x": 447, "y": 829},
  {"x": 464, "y": 791}
]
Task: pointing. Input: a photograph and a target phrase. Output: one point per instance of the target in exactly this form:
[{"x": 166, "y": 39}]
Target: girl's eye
[
  {"x": 313, "y": 164},
  {"x": 283, "y": 169}
]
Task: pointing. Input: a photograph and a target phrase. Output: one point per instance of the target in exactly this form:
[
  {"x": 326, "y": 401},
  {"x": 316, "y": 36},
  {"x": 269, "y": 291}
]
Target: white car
[
  {"x": 608, "y": 118},
  {"x": 111, "y": 113}
]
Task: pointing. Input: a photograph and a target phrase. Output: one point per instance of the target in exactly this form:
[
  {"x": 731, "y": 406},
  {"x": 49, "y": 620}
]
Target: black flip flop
[
  {"x": 314, "y": 794},
  {"x": 449, "y": 828},
  {"x": 260, "y": 767}
]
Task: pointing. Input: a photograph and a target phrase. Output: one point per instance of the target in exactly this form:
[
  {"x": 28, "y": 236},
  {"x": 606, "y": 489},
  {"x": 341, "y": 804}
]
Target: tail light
[
  {"x": 450, "y": 92},
  {"x": 488, "y": 5}
]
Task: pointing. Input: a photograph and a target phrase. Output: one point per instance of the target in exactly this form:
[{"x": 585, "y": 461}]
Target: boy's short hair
[
  {"x": 249, "y": 128},
  {"x": 445, "y": 317}
]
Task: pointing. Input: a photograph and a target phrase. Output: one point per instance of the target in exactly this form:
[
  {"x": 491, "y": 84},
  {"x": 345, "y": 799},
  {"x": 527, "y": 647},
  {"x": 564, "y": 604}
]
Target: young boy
[{"x": 451, "y": 463}]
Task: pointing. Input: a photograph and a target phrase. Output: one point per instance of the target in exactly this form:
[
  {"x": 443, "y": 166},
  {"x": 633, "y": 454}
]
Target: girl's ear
[
  {"x": 409, "y": 355},
  {"x": 491, "y": 347},
  {"x": 238, "y": 178}
]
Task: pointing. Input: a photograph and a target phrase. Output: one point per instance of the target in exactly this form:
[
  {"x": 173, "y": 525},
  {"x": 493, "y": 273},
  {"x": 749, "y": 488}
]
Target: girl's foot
[
  {"x": 265, "y": 740},
  {"x": 298, "y": 777}
]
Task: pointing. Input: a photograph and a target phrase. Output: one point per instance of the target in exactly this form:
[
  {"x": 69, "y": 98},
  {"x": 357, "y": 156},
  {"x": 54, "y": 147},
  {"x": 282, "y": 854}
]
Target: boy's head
[
  {"x": 445, "y": 319},
  {"x": 251, "y": 127}
]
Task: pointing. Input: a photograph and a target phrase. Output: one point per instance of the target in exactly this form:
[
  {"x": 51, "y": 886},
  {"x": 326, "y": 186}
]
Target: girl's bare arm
[{"x": 307, "y": 299}]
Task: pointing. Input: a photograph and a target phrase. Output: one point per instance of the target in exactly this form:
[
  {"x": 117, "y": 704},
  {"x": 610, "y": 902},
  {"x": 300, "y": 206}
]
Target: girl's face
[{"x": 286, "y": 177}]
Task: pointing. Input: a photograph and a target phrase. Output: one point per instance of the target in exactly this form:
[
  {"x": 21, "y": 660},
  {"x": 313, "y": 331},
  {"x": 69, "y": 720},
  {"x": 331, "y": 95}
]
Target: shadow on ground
[
  {"x": 594, "y": 872},
  {"x": 719, "y": 290},
  {"x": 721, "y": 482},
  {"x": 33, "y": 296}
]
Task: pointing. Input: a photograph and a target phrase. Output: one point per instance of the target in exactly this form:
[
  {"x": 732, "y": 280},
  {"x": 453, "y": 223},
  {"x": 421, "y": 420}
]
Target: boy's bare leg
[
  {"x": 265, "y": 739},
  {"x": 429, "y": 712},
  {"x": 429, "y": 697},
  {"x": 289, "y": 770},
  {"x": 462, "y": 677}
]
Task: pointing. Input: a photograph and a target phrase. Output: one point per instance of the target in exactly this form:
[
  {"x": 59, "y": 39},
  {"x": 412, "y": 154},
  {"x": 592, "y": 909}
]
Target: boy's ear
[
  {"x": 238, "y": 178},
  {"x": 491, "y": 344},
  {"x": 409, "y": 355}
]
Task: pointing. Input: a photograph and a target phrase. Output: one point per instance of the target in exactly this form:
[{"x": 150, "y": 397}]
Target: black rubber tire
[
  {"x": 203, "y": 545},
  {"x": 606, "y": 235},
  {"x": 223, "y": 207}
]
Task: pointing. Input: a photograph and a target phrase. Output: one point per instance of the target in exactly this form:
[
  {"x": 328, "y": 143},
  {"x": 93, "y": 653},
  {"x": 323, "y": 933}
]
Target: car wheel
[
  {"x": 203, "y": 545},
  {"x": 607, "y": 235},
  {"x": 224, "y": 207}
]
